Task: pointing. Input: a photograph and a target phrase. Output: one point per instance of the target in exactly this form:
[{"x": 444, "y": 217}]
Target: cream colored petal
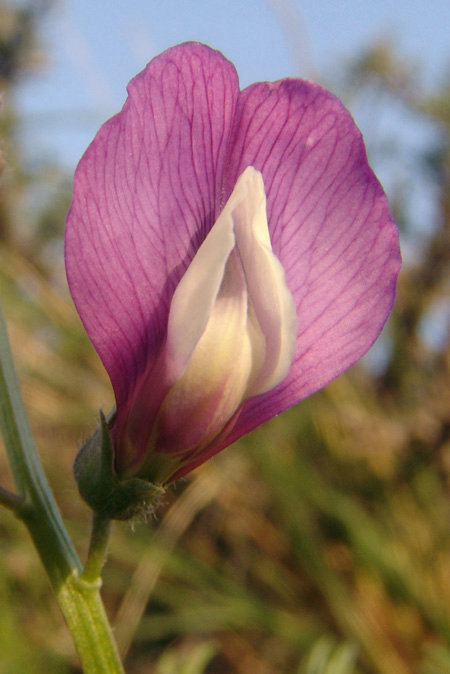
[
  {"x": 232, "y": 325},
  {"x": 196, "y": 293},
  {"x": 272, "y": 305},
  {"x": 214, "y": 382}
]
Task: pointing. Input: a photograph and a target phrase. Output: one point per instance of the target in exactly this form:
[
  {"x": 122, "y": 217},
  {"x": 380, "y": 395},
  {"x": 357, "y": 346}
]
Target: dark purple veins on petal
[{"x": 154, "y": 180}]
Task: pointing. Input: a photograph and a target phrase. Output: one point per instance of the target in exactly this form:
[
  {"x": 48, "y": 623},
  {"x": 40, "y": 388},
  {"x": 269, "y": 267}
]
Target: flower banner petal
[
  {"x": 145, "y": 195},
  {"x": 330, "y": 226}
]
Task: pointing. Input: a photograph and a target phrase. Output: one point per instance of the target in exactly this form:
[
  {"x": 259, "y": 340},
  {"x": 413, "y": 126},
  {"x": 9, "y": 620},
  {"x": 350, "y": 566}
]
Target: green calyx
[{"x": 100, "y": 487}]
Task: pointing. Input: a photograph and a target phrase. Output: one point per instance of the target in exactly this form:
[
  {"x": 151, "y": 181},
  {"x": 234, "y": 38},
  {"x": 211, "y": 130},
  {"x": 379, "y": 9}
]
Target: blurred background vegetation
[{"x": 319, "y": 544}]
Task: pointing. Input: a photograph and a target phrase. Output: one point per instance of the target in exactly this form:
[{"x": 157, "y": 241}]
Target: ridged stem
[{"x": 79, "y": 598}]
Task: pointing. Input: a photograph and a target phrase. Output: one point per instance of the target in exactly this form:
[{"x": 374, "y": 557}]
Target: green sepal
[{"x": 100, "y": 486}]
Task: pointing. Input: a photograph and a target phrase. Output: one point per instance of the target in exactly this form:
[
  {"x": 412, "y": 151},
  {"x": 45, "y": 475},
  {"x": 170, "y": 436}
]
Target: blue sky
[{"x": 92, "y": 49}]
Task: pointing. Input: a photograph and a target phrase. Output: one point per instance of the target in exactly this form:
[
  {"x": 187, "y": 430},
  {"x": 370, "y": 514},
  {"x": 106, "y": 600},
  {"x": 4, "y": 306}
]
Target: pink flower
[{"x": 211, "y": 310}]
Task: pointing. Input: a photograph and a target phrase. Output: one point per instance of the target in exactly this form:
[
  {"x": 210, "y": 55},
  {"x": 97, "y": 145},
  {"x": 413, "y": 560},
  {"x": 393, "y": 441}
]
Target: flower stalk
[
  {"x": 101, "y": 527},
  {"x": 79, "y": 598}
]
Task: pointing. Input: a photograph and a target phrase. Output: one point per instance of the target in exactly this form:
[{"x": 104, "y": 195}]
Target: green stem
[
  {"x": 79, "y": 600},
  {"x": 97, "y": 548},
  {"x": 10, "y": 500}
]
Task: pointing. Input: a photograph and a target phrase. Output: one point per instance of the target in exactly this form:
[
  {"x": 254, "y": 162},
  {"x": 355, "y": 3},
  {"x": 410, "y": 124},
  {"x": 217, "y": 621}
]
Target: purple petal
[
  {"x": 145, "y": 195},
  {"x": 154, "y": 181},
  {"x": 330, "y": 226}
]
